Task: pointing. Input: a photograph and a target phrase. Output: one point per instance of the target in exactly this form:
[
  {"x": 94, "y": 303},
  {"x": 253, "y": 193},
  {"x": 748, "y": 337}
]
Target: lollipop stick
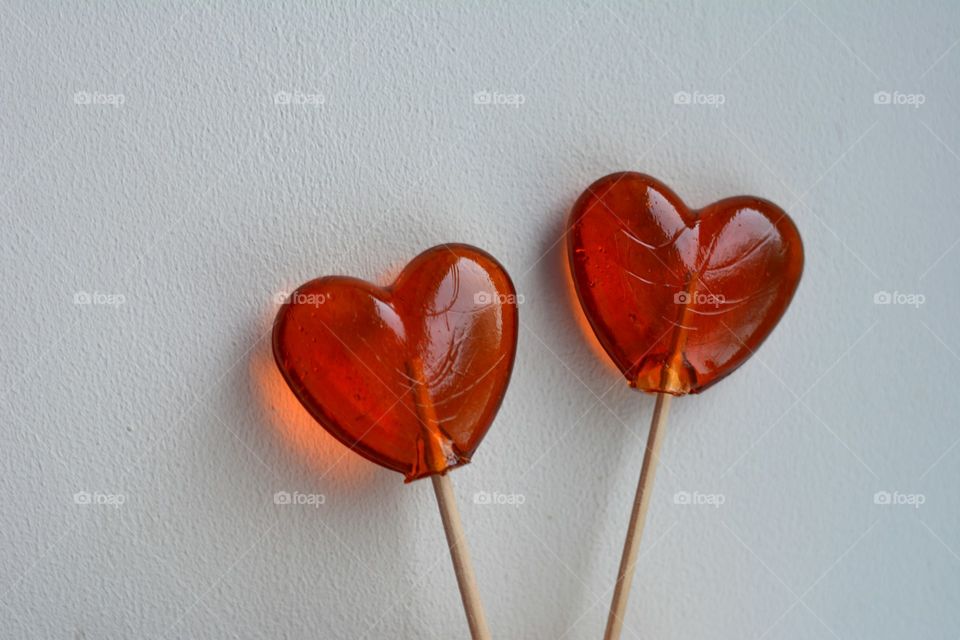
[
  {"x": 434, "y": 448},
  {"x": 462, "y": 566},
  {"x": 638, "y": 516}
]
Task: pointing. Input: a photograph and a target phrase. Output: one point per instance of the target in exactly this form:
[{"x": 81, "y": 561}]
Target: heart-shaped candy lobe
[
  {"x": 679, "y": 298},
  {"x": 409, "y": 376}
]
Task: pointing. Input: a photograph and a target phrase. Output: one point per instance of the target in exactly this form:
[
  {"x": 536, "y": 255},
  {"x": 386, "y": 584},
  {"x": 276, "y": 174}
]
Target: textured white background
[{"x": 183, "y": 211}]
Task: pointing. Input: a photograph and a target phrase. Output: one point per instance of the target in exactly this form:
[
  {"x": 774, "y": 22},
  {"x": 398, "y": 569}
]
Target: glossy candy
[
  {"x": 410, "y": 376},
  {"x": 679, "y": 298}
]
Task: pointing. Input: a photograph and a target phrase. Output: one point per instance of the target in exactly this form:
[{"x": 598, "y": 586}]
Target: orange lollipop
[
  {"x": 678, "y": 298},
  {"x": 409, "y": 376}
]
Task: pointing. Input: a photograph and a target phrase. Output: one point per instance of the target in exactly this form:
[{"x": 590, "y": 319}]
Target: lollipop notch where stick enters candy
[
  {"x": 432, "y": 445},
  {"x": 638, "y": 517}
]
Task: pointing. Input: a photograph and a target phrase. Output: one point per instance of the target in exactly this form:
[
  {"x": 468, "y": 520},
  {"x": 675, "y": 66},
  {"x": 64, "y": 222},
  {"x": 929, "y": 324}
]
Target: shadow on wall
[{"x": 554, "y": 278}]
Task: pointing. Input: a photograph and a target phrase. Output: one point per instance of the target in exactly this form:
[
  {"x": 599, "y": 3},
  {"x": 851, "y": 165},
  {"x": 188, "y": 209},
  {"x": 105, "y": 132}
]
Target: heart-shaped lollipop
[
  {"x": 678, "y": 297},
  {"x": 410, "y": 376}
]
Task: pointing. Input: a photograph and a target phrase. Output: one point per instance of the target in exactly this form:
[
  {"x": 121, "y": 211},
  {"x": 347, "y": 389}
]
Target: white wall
[{"x": 186, "y": 208}]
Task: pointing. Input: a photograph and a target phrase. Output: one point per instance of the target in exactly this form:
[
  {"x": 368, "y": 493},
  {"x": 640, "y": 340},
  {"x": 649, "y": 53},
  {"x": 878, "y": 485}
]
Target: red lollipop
[
  {"x": 409, "y": 376},
  {"x": 679, "y": 298}
]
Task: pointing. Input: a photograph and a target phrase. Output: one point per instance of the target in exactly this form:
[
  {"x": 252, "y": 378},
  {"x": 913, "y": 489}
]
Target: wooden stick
[
  {"x": 435, "y": 449},
  {"x": 638, "y": 516},
  {"x": 466, "y": 579}
]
